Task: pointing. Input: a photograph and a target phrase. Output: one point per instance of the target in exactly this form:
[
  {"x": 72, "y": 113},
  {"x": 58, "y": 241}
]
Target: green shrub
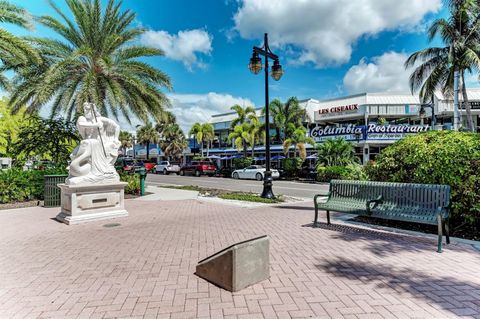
[
  {"x": 133, "y": 180},
  {"x": 17, "y": 185},
  {"x": 239, "y": 163},
  {"x": 291, "y": 166},
  {"x": 437, "y": 157},
  {"x": 349, "y": 172}
]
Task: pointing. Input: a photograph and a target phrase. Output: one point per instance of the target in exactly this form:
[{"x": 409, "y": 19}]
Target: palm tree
[
  {"x": 241, "y": 134},
  {"x": 147, "y": 135},
  {"x": 14, "y": 51},
  {"x": 167, "y": 119},
  {"x": 298, "y": 138},
  {"x": 95, "y": 61},
  {"x": 461, "y": 35},
  {"x": 174, "y": 141},
  {"x": 204, "y": 134},
  {"x": 126, "y": 141},
  {"x": 284, "y": 113},
  {"x": 256, "y": 132},
  {"x": 242, "y": 114},
  {"x": 336, "y": 152}
]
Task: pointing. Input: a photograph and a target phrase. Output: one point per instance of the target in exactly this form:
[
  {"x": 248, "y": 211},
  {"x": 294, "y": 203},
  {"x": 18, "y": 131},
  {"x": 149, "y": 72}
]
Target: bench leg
[
  {"x": 315, "y": 221},
  {"x": 440, "y": 226},
  {"x": 328, "y": 217},
  {"x": 446, "y": 224}
]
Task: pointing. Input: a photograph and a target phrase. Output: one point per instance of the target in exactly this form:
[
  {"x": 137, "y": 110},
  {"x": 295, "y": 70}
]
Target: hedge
[{"x": 437, "y": 157}]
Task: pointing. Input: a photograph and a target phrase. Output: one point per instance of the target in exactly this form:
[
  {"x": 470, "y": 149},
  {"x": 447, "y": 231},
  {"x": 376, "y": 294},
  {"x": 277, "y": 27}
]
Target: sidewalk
[{"x": 144, "y": 267}]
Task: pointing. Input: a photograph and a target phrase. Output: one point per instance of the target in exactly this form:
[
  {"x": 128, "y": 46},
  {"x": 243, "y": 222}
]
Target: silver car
[{"x": 254, "y": 172}]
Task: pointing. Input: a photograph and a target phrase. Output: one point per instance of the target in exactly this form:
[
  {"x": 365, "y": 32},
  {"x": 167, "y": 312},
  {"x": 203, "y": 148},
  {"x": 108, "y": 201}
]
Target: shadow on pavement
[{"x": 461, "y": 298}]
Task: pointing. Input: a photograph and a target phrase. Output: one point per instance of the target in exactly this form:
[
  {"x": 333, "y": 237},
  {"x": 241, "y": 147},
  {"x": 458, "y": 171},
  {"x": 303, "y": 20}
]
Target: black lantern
[
  {"x": 277, "y": 70},
  {"x": 255, "y": 64}
]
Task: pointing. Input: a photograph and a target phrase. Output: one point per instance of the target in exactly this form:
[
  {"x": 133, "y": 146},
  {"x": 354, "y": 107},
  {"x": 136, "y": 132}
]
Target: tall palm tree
[
  {"x": 167, "y": 119},
  {"x": 460, "y": 33},
  {"x": 241, "y": 135},
  {"x": 126, "y": 141},
  {"x": 256, "y": 132},
  {"x": 147, "y": 135},
  {"x": 283, "y": 114},
  {"x": 298, "y": 138},
  {"x": 242, "y": 114},
  {"x": 14, "y": 51},
  {"x": 174, "y": 141},
  {"x": 93, "y": 60},
  {"x": 204, "y": 134},
  {"x": 336, "y": 152}
]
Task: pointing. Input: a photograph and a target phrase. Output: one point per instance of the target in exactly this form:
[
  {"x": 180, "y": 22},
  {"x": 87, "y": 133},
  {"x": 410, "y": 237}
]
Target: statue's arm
[{"x": 82, "y": 122}]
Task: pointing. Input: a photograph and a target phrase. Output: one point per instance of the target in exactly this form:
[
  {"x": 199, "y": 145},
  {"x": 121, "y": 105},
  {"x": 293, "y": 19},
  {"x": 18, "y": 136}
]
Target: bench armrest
[
  {"x": 320, "y": 195},
  {"x": 375, "y": 202}
]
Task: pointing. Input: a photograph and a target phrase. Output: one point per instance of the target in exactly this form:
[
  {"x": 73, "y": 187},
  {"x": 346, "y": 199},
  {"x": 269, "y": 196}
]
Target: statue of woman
[{"x": 94, "y": 158}]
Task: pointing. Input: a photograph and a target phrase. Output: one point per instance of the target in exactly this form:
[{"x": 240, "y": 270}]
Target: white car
[
  {"x": 254, "y": 172},
  {"x": 165, "y": 167}
]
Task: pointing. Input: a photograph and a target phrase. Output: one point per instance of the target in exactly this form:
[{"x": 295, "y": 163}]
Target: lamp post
[{"x": 255, "y": 67}]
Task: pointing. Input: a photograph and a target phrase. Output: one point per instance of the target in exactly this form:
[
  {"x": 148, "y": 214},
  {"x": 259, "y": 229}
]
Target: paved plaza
[{"x": 144, "y": 267}]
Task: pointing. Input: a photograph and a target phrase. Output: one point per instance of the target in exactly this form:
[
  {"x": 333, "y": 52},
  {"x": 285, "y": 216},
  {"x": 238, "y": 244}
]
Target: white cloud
[
  {"x": 384, "y": 73},
  {"x": 185, "y": 46},
  {"x": 191, "y": 108},
  {"x": 322, "y": 32}
]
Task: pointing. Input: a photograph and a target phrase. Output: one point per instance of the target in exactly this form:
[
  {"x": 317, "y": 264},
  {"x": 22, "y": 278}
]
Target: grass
[
  {"x": 250, "y": 197},
  {"x": 226, "y": 194}
]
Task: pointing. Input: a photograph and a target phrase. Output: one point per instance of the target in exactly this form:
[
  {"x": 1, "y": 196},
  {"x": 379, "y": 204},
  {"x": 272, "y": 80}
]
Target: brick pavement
[{"x": 144, "y": 267}]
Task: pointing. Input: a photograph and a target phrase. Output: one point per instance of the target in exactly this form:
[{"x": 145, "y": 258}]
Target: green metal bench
[{"x": 417, "y": 203}]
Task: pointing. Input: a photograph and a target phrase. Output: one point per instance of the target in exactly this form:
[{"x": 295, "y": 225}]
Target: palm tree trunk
[
  {"x": 244, "y": 148},
  {"x": 208, "y": 148},
  {"x": 468, "y": 108},
  {"x": 277, "y": 132},
  {"x": 148, "y": 150}
]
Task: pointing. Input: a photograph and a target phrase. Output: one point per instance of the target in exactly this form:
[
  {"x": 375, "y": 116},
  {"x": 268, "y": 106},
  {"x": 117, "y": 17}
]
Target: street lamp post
[{"x": 255, "y": 67}]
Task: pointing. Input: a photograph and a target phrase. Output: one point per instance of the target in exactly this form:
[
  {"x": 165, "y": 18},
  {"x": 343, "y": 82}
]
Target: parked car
[
  {"x": 254, "y": 172},
  {"x": 130, "y": 165},
  {"x": 224, "y": 172},
  {"x": 149, "y": 165},
  {"x": 165, "y": 167},
  {"x": 198, "y": 168}
]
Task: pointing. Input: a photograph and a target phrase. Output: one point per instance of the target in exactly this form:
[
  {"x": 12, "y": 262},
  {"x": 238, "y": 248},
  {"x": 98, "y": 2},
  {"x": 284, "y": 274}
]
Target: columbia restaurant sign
[{"x": 368, "y": 132}]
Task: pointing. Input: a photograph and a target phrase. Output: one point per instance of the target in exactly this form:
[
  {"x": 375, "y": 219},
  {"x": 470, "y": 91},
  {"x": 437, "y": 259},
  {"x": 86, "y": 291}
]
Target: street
[{"x": 288, "y": 188}]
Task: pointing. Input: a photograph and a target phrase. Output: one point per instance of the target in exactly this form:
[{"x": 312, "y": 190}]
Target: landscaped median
[{"x": 228, "y": 195}]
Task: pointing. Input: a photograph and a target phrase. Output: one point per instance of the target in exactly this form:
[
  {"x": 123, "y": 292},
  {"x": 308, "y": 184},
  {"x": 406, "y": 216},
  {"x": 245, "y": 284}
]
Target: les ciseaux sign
[
  {"x": 370, "y": 131},
  {"x": 339, "y": 109}
]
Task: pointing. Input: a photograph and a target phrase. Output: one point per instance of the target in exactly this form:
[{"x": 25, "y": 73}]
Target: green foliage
[
  {"x": 348, "y": 172},
  {"x": 133, "y": 180},
  {"x": 239, "y": 163},
  {"x": 93, "y": 56},
  {"x": 284, "y": 114},
  {"x": 437, "y": 157},
  {"x": 203, "y": 133},
  {"x": 14, "y": 51},
  {"x": 243, "y": 113},
  {"x": 336, "y": 152},
  {"x": 51, "y": 139},
  {"x": 248, "y": 197},
  {"x": 291, "y": 166},
  {"x": 147, "y": 135},
  {"x": 10, "y": 125},
  {"x": 17, "y": 185},
  {"x": 126, "y": 141},
  {"x": 297, "y": 136},
  {"x": 173, "y": 140},
  {"x": 458, "y": 51}
]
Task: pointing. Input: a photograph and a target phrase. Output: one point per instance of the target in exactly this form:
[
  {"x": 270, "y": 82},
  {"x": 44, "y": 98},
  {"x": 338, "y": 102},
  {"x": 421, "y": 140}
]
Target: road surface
[{"x": 288, "y": 188}]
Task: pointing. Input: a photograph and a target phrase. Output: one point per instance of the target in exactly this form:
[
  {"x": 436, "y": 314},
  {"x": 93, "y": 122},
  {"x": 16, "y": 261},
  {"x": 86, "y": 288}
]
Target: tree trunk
[
  {"x": 277, "y": 132},
  {"x": 244, "y": 148},
  {"x": 468, "y": 108},
  {"x": 148, "y": 150},
  {"x": 208, "y": 148}
]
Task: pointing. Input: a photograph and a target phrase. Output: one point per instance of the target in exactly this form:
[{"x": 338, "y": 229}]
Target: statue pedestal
[{"x": 84, "y": 203}]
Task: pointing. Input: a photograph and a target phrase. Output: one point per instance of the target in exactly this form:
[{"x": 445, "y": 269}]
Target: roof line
[{"x": 230, "y": 113}]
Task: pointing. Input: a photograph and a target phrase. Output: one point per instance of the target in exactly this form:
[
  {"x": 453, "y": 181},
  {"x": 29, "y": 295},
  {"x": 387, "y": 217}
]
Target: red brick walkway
[{"x": 144, "y": 267}]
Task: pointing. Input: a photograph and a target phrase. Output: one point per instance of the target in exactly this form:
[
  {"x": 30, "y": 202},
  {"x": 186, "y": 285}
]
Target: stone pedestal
[{"x": 84, "y": 203}]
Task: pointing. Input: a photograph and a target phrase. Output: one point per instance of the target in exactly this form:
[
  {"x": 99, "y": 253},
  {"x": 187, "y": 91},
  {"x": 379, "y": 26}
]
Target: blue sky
[{"x": 328, "y": 48}]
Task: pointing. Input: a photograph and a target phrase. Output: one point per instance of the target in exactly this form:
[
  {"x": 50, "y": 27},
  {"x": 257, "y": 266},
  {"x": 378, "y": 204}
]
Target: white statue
[{"x": 94, "y": 158}]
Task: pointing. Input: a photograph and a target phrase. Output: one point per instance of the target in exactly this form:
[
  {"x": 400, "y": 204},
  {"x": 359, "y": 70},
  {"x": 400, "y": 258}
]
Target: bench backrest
[{"x": 419, "y": 196}]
